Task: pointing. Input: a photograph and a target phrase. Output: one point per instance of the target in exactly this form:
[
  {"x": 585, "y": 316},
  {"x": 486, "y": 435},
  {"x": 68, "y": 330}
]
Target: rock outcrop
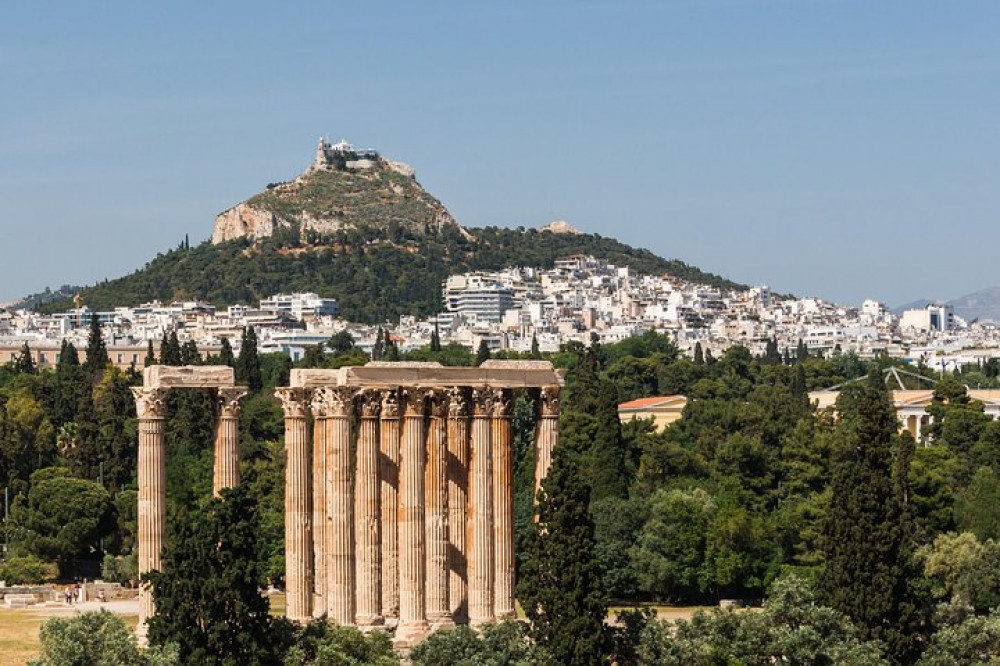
[{"x": 343, "y": 188}]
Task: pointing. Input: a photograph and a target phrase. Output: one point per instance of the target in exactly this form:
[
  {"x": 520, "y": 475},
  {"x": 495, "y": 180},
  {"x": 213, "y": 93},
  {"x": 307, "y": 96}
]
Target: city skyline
[{"x": 830, "y": 149}]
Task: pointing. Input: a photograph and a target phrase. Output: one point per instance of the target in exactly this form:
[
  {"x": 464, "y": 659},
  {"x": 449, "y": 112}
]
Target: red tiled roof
[{"x": 648, "y": 402}]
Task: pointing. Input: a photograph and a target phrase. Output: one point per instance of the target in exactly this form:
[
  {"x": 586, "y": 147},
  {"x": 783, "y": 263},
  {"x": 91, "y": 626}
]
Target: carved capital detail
[
  {"x": 390, "y": 404},
  {"x": 458, "y": 404},
  {"x": 340, "y": 401},
  {"x": 482, "y": 403},
  {"x": 370, "y": 404},
  {"x": 150, "y": 403},
  {"x": 503, "y": 406},
  {"x": 229, "y": 402},
  {"x": 549, "y": 400},
  {"x": 294, "y": 402},
  {"x": 438, "y": 404},
  {"x": 416, "y": 402}
]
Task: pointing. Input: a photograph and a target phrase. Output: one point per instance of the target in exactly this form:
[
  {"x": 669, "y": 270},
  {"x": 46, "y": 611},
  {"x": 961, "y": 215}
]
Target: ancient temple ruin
[{"x": 398, "y": 486}]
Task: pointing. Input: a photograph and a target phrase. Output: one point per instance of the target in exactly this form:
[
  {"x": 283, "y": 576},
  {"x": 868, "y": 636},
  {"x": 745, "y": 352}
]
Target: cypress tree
[
  {"x": 207, "y": 594},
  {"x": 609, "y": 467},
  {"x": 535, "y": 353},
  {"x": 560, "y": 586},
  {"x": 226, "y": 353},
  {"x": 248, "y": 363},
  {"x": 868, "y": 552},
  {"x": 170, "y": 350},
  {"x": 436, "y": 339},
  {"x": 801, "y": 352},
  {"x": 68, "y": 357},
  {"x": 483, "y": 352},
  {"x": 24, "y": 364},
  {"x": 699, "y": 355},
  {"x": 150, "y": 356},
  {"x": 97, "y": 351}
]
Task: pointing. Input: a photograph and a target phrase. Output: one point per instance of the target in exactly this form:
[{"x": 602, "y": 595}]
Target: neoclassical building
[{"x": 398, "y": 486}]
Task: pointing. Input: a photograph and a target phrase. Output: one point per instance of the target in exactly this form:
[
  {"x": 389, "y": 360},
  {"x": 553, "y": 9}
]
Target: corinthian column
[
  {"x": 503, "y": 507},
  {"x": 340, "y": 509},
  {"x": 227, "y": 440},
  {"x": 412, "y": 548},
  {"x": 389, "y": 473},
  {"x": 367, "y": 519},
  {"x": 321, "y": 427},
  {"x": 480, "y": 526},
  {"x": 548, "y": 433},
  {"x": 458, "y": 486},
  {"x": 150, "y": 405},
  {"x": 298, "y": 506},
  {"x": 436, "y": 483}
]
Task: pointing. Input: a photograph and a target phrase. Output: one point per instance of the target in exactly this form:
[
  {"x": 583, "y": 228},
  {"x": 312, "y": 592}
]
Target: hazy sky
[{"x": 838, "y": 149}]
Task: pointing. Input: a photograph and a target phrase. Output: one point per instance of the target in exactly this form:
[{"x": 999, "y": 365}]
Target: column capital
[
  {"x": 482, "y": 402},
  {"x": 503, "y": 406},
  {"x": 370, "y": 404},
  {"x": 333, "y": 401},
  {"x": 439, "y": 404},
  {"x": 549, "y": 400},
  {"x": 229, "y": 401},
  {"x": 150, "y": 403},
  {"x": 458, "y": 403},
  {"x": 294, "y": 402},
  {"x": 390, "y": 404},
  {"x": 416, "y": 402}
]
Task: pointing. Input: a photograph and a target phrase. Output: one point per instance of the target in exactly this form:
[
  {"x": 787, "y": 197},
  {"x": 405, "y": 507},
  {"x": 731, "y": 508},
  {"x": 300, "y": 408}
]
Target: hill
[
  {"x": 983, "y": 305},
  {"x": 360, "y": 228}
]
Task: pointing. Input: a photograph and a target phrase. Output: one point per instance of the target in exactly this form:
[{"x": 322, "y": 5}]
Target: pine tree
[
  {"x": 150, "y": 356},
  {"x": 97, "y": 351},
  {"x": 207, "y": 594},
  {"x": 699, "y": 355},
  {"x": 226, "y": 353},
  {"x": 560, "y": 586},
  {"x": 868, "y": 551},
  {"x": 248, "y": 363},
  {"x": 483, "y": 352},
  {"x": 25, "y": 365}
]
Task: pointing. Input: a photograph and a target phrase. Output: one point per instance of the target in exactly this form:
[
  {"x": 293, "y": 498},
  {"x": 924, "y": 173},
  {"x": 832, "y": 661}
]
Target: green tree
[
  {"x": 977, "y": 507},
  {"x": 320, "y": 644},
  {"x": 24, "y": 363},
  {"x": 226, "y": 353},
  {"x": 502, "y": 644},
  {"x": 96, "y": 639},
  {"x": 207, "y": 595},
  {"x": 97, "y": 351},
  {"x": 482, "y": 352},
  {"x": 867, "y": 550},
  {"x": 248, "y": 364},
  {"x": 61, "y": 517},
  {"x": 560, "y": 586},
  {"x": 150, "y": 355}
]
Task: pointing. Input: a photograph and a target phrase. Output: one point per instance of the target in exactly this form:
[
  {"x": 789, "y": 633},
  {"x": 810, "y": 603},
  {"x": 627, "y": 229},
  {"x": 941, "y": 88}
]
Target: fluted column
[
  {"x": 412, "y": 546},
  {"x": 226, "y": 471},
  {"x": 151, "y": 408},
  {"x": 340, "y": 509},
  {"x": 298, "y": 505},
  {"x": 320, "y": 443},
  {"x": 436, "y": 488},
  {"x": 389, "y": 473},
  {"x": 503, "y": 507},
  {"x": 458, "y": 486},
  {"x": 480, "y": 525},
  {"x": 367, "y": 518},
  {"x": 548, "y": 433}
]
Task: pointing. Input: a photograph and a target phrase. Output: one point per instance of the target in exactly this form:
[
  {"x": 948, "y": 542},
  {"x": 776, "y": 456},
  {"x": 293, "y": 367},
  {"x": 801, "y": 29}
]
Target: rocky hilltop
[{"x": 343, "y": 188}]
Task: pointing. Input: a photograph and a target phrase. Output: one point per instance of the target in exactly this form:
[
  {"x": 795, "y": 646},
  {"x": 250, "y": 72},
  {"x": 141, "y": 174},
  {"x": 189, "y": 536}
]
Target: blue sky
[{"x": 832, "y": 148}]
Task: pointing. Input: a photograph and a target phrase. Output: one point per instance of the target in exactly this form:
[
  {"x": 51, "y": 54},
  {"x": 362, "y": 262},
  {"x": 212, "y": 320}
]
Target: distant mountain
[
  {"x": 983, "y": 305},
  {"x": 359, "y": 228}
]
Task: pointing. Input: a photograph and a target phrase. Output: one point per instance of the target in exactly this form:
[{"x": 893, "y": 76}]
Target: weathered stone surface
[
  {"x": 509, "y": 375},
  {"x": 241, "y": 221},
  {"x": 188, "y": 376}
]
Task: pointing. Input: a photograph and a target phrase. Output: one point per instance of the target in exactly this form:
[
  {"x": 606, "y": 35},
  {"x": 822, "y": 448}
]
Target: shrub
[
  {"x": 26, "y": 570},
  {"x": 98, "y": 639}
]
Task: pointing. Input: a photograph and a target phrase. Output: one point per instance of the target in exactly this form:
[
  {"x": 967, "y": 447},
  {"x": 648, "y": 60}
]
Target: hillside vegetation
[{"x": 377, "y": 274}]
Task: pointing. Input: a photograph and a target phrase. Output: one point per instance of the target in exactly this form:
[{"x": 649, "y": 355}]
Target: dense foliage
[{"x": 377, "y": 273}]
